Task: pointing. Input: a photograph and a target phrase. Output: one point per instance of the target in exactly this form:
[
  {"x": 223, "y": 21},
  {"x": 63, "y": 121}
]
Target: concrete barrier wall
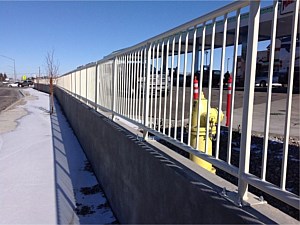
[{"x": 145, "y": 184}]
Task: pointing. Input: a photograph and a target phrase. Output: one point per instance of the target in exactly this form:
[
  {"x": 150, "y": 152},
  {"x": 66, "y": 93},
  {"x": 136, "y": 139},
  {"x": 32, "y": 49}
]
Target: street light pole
[
  {"x": 206, "y": 52},
  {"x": 14, "y": 65}
]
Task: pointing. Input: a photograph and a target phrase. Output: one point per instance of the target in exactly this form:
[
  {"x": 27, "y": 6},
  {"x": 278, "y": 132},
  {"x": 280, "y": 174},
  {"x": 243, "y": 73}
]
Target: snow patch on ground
[
  {"x": 45, "y": 177},
  {"x": 79, "y": 194}
]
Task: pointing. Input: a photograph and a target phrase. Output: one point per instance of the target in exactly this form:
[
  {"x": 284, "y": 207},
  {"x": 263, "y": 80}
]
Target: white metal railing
[{"x": 150, "y": 85}]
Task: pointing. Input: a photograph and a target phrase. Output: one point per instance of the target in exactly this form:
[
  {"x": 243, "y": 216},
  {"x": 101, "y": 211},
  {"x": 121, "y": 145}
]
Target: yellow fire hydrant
[{"x": 213, "y": 119}]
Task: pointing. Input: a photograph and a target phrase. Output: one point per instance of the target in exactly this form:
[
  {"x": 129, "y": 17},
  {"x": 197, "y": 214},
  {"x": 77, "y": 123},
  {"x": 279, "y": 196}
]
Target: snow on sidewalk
[{"x": 45, "y": 177}]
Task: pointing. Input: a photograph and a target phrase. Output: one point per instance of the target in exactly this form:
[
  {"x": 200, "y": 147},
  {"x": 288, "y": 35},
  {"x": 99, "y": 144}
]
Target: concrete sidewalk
[{"x": 45, "y": 177}]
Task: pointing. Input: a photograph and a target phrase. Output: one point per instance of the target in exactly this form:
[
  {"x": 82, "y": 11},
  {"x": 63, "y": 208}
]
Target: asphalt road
[{"x": 8, "y": 96}]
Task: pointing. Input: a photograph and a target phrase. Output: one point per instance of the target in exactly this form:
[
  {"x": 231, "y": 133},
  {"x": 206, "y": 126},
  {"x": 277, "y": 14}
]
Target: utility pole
[
  {"x": 38, "y": 80},
  {"x": 14, "y": 65}
]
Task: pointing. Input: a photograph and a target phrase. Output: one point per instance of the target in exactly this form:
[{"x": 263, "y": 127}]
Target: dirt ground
[{"x": 8, "y": 96}]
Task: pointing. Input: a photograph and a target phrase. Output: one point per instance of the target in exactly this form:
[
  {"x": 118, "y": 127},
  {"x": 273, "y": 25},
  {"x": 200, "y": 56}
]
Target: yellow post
[{"x": 202, "y": 131}]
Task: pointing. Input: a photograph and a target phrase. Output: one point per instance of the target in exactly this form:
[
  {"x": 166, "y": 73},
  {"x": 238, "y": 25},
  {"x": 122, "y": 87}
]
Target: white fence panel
[{"x": 152, "y": 85}]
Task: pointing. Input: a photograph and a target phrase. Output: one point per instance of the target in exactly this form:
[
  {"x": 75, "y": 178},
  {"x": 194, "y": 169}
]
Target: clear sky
[{"x": 84, "y": 31}]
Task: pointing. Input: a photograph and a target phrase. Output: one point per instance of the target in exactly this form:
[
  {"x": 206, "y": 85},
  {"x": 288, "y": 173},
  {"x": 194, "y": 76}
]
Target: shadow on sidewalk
[{"x": 79, "y": 198}]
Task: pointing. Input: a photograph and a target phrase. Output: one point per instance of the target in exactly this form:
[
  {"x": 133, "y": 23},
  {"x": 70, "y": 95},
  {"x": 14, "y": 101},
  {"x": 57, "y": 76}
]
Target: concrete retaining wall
[{"x": 145, "y": 184}]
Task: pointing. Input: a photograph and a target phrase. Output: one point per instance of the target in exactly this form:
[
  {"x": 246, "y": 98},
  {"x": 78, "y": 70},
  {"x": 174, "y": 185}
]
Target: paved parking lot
[{"x": 277, "y": 115}]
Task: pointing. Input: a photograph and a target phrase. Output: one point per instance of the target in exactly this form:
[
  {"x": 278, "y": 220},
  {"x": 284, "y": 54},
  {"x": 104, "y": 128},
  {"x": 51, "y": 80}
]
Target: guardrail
[{"x": 149, "y": 85}]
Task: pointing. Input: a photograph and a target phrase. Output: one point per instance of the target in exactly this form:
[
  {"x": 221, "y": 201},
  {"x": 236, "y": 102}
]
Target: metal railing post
[
  {"x": 86, "y": 86},
  {"x": 248, "y": 97},
  {"x": 71, "y": 83},
  {"x": 146, "y": 99},
  {"x": 234, "y": 73},
  {"x": 269, "y": 91},
  {"x": 74, "y": 88},
  {"x": 96, "y": 87},
  {"x": 289, "y": 96},
  {"x": 80, "y": 85},
  {"x": 114, "y": 72}
]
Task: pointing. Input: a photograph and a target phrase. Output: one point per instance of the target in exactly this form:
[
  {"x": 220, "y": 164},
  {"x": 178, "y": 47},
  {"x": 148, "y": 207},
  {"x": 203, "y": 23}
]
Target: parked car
[
  {"x": 283, "y": 78},
  {"x": 216, "y": 76},
  {"x": 261, "y": 79},
  {"x": 155, "y": 83},
  {"x": 26, "y": 83},
  {"x": 181, "y": 80},
  {"x": 16, "y": 84}
]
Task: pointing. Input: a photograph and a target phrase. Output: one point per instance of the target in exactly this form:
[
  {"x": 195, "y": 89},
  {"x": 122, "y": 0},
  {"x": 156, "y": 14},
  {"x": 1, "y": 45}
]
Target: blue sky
[{"x": 85, "y": 31}]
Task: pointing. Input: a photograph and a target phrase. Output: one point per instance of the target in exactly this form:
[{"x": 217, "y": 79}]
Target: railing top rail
[
  {"x": 81, "y": 67},
  {"x": 179, "y": 29},
  {"x": 184, "y": 27},
  {"x": 89, "y": 65}
]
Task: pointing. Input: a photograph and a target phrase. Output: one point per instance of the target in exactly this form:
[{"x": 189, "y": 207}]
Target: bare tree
[
  {"x": 52, "y": 71},
  {"x": 52, "y": 66}
]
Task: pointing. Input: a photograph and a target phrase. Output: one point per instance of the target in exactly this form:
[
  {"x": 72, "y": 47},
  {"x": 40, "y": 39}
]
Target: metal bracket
[{"x": 233, "y": 197}]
